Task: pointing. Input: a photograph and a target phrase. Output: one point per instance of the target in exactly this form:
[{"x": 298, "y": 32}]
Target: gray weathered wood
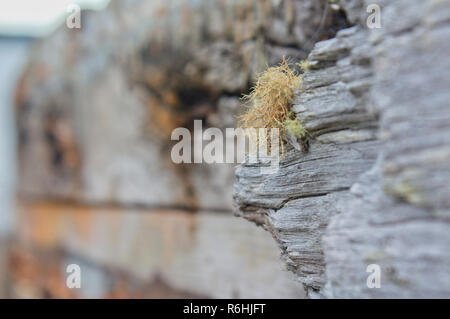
[{"x": 374, "y": 186}]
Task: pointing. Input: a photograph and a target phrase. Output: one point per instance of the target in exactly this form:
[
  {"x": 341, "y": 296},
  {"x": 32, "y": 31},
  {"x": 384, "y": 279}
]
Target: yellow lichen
[
  {"x": 304, "y": 65},
  {"x": 268, "y": 105},
  {"x": 295, "y": 127}
]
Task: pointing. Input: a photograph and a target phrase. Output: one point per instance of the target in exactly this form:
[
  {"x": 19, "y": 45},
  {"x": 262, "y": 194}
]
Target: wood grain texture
[{"x": 374, "y": 186}]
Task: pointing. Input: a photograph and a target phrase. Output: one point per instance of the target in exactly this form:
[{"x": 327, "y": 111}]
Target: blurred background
[{"x": 85, "y": 169}]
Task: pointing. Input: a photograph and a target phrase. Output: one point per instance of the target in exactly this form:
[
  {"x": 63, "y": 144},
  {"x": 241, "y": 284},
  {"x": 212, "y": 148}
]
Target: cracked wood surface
[
  {"x": 296, "y": 203},
  {"x": 374, "y": 186}
]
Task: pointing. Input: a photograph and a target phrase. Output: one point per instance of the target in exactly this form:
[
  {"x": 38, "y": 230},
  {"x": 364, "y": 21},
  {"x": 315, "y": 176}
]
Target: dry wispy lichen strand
[{"x": 269, "y": 102}]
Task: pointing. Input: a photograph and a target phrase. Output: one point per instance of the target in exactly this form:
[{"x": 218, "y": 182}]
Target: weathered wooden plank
[{"x": 374, "y": 187}]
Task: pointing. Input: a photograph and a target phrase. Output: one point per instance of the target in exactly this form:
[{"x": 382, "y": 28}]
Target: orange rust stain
[
  {"x": 155, "y": 78},
  {"x": 44, "y": 227},
  {"x": 162, "y": 120},
  {"x": 40, "y": 275},
  {"x": 171, "y": 98},
  {"x": 37, "y": 277},
  {"x": 83, "y": 221},
  {"x": 121, "y": 290},
  {"x": 46, "y": 223},
  {"x": 42, "y": 224}
]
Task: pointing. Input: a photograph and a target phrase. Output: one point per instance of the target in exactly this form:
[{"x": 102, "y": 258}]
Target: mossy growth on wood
[
  {"x": 304, "y": 65},
  {"x": 295, "y": 127},
  {"x": 268, "y": 105}
]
